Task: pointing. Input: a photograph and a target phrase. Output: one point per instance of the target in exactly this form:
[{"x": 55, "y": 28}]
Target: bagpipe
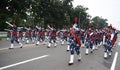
[
  {"x": 14, "y": 30},
  {"x": 9, "y": 24},
  {"x": 27, "y": 28},
  {"x": 39, "y": 28},
  {"x": 18, "y": 28},
  {"x": 50, "y": 27}
]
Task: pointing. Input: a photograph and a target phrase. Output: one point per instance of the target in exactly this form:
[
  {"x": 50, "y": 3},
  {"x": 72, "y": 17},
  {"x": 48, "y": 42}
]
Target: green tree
[
  {"x": 13, "y": 9},
  {"x": 58, "y": 12},
  {"x": 83, "y": 16},
  {"x": 53, "y": 11},
  {"x": 99, "y": 21}
]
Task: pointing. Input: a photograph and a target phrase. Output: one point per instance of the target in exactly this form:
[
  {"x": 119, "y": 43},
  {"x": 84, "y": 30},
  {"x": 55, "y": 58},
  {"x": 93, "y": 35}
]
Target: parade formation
[
  {"x": 74, "y": 37},
  {"x": 59, "y": 35}
]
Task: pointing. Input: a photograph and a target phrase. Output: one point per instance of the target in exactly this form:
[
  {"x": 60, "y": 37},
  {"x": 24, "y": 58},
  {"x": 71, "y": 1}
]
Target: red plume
[
  {"x": 14, "y": 21},
  {"x": 75, "y": 19}
]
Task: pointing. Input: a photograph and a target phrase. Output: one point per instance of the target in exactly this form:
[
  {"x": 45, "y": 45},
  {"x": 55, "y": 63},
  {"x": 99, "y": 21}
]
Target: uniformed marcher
[
  {"x": 74, "y": 43},
  {"x": 20, "y": 34},
  {"x": 52, "y": 34},
  {"x": 107, "y": 42},
  {"x": 89, "y": 41},
  {"x": 14, "y": 35},
  {"x": 41, "y": 34},
  {"x": 64, "y": 35},
  {"x": 28, "y": 34}
]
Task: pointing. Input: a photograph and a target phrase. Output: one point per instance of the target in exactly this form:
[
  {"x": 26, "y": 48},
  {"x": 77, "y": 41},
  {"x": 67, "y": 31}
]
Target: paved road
[{"x": 43, "y": 58}]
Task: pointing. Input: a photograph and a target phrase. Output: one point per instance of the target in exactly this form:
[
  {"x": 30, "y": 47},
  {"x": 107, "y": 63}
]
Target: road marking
[
  {"x": 26, "y": 61},
  {"x": 114, "y": 61},
  {"x": 3, "y": 48},
  {"x": 17, "y": 46},
  {"x": 24, "y": 46}
]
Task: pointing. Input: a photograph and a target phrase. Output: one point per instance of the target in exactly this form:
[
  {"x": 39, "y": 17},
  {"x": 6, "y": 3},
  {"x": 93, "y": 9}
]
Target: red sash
[
  {"x": 75, "y": 36},
  {"x": 15, "y": 33}
]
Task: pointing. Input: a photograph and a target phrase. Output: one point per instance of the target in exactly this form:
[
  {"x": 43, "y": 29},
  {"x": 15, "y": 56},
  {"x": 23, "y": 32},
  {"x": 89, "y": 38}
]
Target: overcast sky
[{"x": 109, "y": 9}]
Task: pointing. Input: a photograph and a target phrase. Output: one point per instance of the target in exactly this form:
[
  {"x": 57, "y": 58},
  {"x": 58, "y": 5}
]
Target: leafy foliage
[
  {"x": 58, "y": 12},
  {"x": 99, "y": 22}
]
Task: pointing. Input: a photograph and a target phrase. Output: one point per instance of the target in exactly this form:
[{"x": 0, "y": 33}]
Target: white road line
[
  {"x": 3, "y": 48},
  {"x": 114, "y": 61},
  {"x": 8, "y": 66},
  {"x": 17, "y": 46},
  {"x": 24, "y": 46}
]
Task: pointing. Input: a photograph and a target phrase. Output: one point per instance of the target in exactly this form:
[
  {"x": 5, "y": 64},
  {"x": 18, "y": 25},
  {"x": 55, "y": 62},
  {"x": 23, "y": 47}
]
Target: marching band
[{"x": 75, "y": 38}]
